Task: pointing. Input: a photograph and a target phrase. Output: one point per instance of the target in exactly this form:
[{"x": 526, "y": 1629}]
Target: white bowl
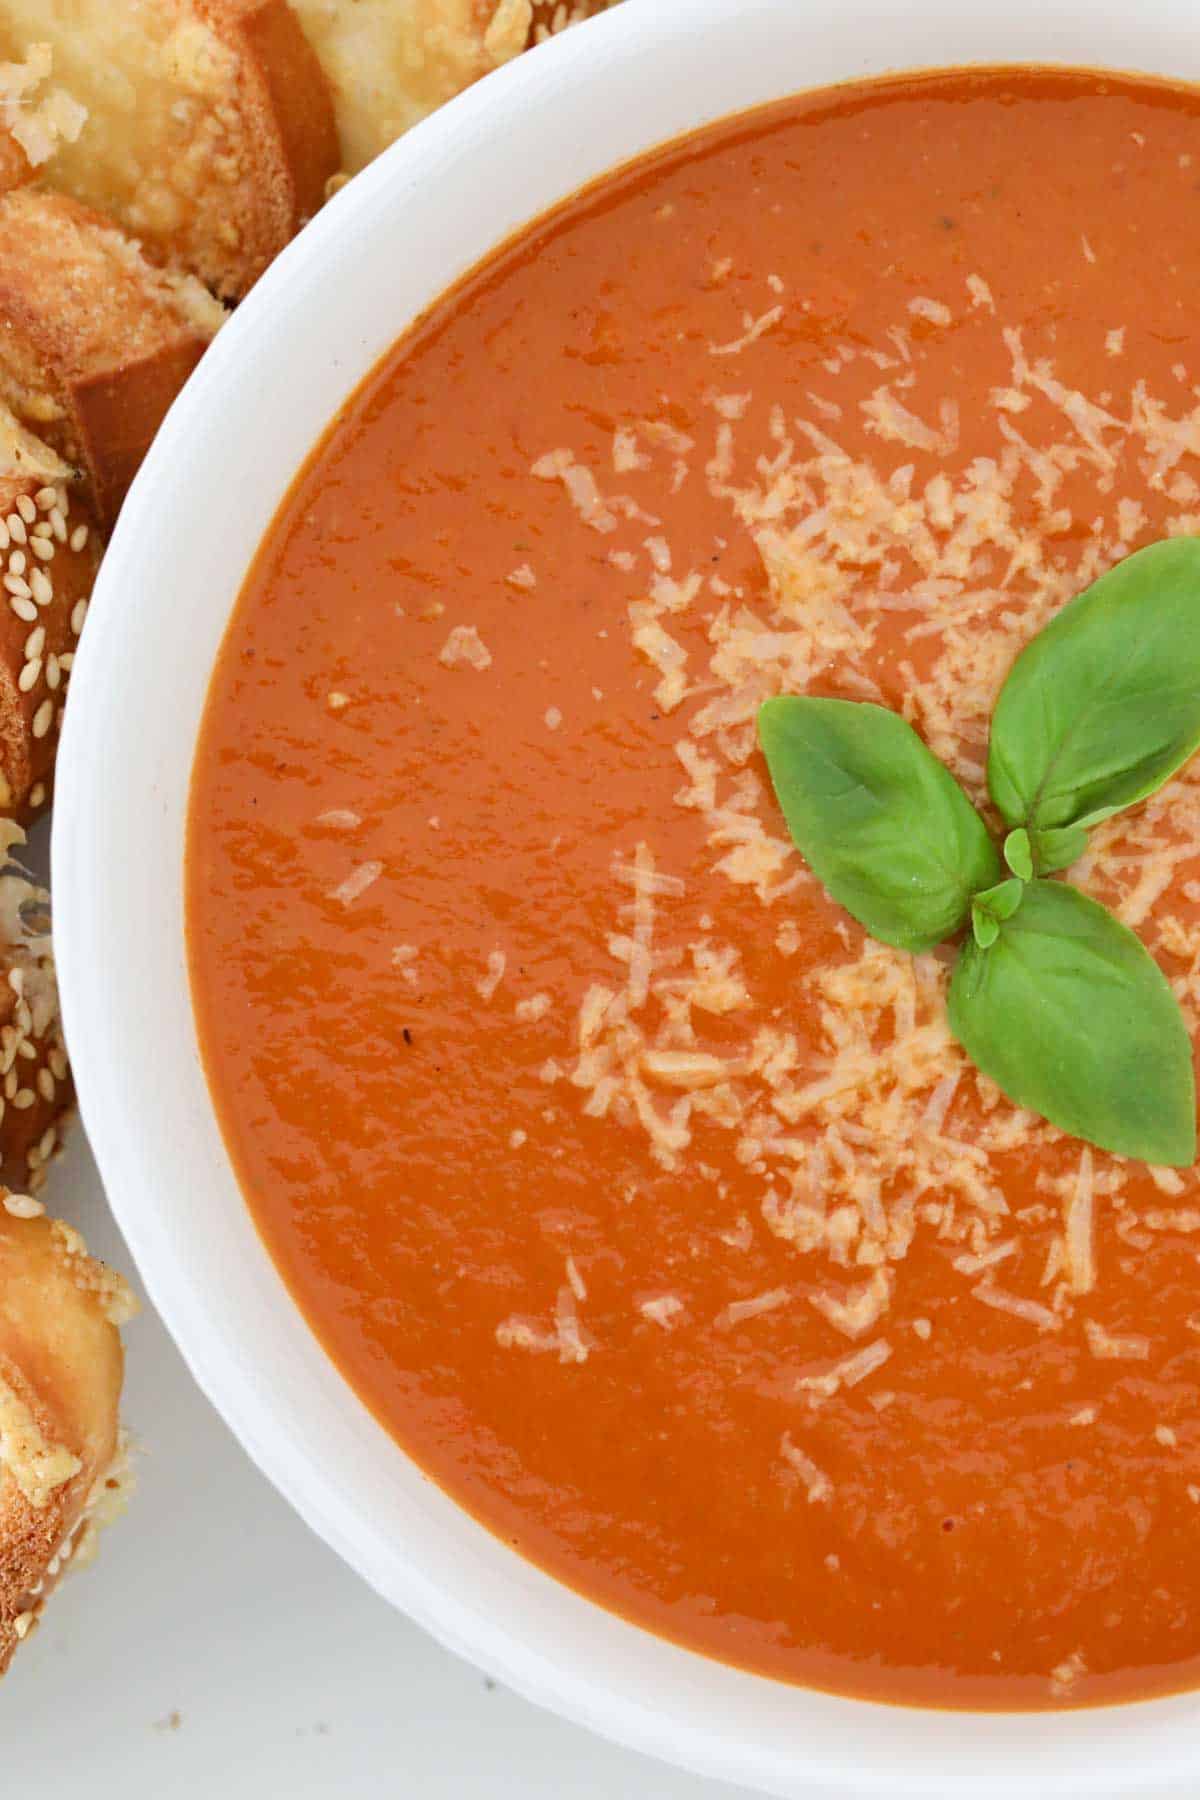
[{"x": 325, "y": 312}]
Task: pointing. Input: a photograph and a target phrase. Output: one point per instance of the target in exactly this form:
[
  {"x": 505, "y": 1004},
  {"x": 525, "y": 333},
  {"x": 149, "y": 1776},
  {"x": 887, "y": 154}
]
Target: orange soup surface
[{"x": 647, "y": 1202}]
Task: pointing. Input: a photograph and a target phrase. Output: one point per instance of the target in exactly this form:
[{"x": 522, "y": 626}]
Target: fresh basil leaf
[
  {"x": 1058, "y": 849},
  {"x": 1071, "y": 1017},
  {"x": 885, "y": 828},
  {"x": 1104, "y": 703},
  {"x": 1018, "y": 854},
  {"x": 990, "y": 909}
]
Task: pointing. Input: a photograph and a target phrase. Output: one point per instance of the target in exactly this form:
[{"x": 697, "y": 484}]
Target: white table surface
[{"x": 217, "y": 1651}]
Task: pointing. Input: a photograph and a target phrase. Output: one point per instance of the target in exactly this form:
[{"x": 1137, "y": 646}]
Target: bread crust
[
  {"x": 94, "y": 342},
  {"x": 49, "y": 553}
]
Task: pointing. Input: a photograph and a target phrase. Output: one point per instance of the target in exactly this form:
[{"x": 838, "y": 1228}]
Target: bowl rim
[{"x": 116, "y": 856}]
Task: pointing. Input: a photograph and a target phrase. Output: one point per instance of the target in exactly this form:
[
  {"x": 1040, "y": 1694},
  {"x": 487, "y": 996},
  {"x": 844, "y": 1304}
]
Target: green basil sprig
[{"x": 1051, "y": 996}]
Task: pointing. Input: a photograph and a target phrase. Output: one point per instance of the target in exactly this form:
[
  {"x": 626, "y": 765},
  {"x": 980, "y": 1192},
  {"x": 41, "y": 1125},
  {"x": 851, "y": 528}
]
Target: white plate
[{"x": 317, "y": 322}]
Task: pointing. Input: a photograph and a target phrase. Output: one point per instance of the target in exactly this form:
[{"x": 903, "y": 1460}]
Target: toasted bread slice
[
  {"x": 61, "y": 1370},
  {"x": 94, "y": 342},
  {"x": 49, "y": 552},
  {"x": 390, "y": 62},
  {"x": 209, "y": 133}
]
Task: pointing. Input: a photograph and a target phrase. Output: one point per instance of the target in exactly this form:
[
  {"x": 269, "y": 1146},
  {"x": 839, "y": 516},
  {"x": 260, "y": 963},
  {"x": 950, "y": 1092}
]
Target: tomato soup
[{"x": 647, "y": 1202}]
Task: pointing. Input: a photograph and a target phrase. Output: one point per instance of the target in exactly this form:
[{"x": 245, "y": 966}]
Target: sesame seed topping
[
  {"x": 35, "y": 643},
  {"x": 24, "y": 609},
  {"x": 16, "y": 528},
  {"x": 45, "y": 498},
  {"x": 58, "y": 525},
  {"x": 49, "y": 1136},
  {"x": 79, "y": 613},
  {"x": 16, "y": 981},
  {"x": 16, "y": 585},
  {"x": 37, "y": 794},
  {"x": 64, "y": 500},
  {"x": 26, "y": 1049},
  {"x": 26, "y": 508},
  {"x": 43, "y": 548},
  {"x": 23, "y": 1017},
  {"x": 79, "y": 537},
  {"x": 53, "y": 672},
  {"x": 4, "y": 537},
  {"x": 29, "y": 674},
  {"x": 58, "y": 1064},
  {"x": 43, "y": 718},
  {"x": 11, "y": 1081},
  {"x": 16, "y": 563},
  {"x": 23, "y": 1099}
]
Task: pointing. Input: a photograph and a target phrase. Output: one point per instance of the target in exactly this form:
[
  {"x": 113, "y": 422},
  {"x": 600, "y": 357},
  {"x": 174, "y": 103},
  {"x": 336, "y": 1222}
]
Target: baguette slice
[
  {"x": 61, "y": 1370},
  {"x": 49, "y": 553},
  {"x": 94, "y": 342},
  {"x": 209, "y": 134},
  {"x": 390, "y": 62}
]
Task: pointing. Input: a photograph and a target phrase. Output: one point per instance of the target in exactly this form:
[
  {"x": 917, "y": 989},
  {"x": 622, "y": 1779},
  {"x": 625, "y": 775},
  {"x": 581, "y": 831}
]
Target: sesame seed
[
  {"x": 24, "y": 609},
  {"x": 58, "y": 1064},
  {"x": 4, "y": 537},
  {"x": 43, "y": 548},
  {"x": 16, "y": 563},
  {"x": 79, "y": 613},
  {"x": 23, "y": 1624},
  {"x": 26, "y": 1049},
  {"x": 21, "y": 1206},
  {"x": 11, "y": 1083},
  {"x": 23, "y": 1017},
  {"x": 45, "y": 498},
  {"x": 35, "y": 643},
  {"x": 16, "y": 981},
  {"x": 17, "y": 586},
  {"x": 66, "y": 661},
  {"x": 37, "y": 1180},
  {"x": 58, "y": 525},
  {"x": 50, "y": 1135},
  {"x": 23, "y": 1099},
  {"x": 33, "y": 1161},
  {"x": 43, "y": 718},
  {"x": 26, "y": 508},
  {"x": 37, "y": 794},
  {"x": 79, "y": 537},
  {"x": 16, "y": 528},
  {"x": 29, "y": 674},
  {"x": 53, "y": 673},
  {"x": 64, "y": 500}
]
